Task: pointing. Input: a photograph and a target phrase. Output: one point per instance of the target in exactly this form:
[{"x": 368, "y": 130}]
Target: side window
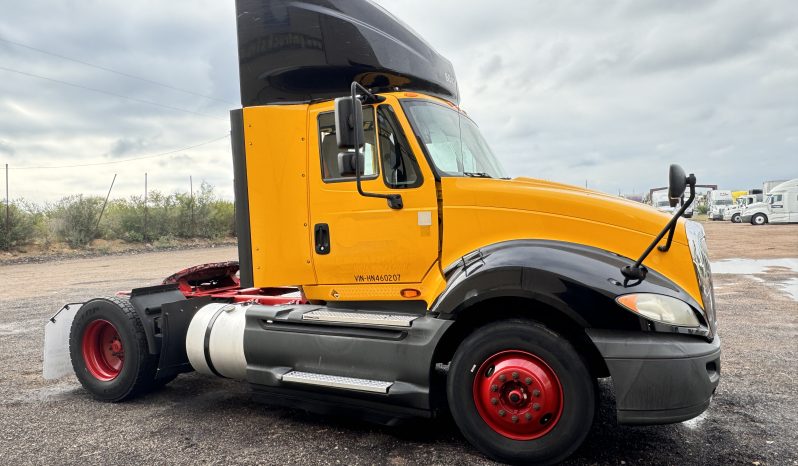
[
  {"x": 399, "y": 165},
  {"x": 775, "y": 199},
  {"x": 330, "y": 171}
]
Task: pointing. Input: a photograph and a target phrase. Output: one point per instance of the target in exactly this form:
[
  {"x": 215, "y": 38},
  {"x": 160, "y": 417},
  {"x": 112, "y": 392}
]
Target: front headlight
[{"x": 660, "y": 308}]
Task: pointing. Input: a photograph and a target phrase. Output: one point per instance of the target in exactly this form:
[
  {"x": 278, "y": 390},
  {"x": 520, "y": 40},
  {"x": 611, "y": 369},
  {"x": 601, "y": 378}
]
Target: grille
[{"x": 696, "y": 238}]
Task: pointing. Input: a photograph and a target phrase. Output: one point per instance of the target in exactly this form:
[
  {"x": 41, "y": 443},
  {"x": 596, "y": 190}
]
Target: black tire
[
  {"x": 759, "y": 219},
  {"x": 137, "y": 373},
  {"x": 736, "y": 218},
  {"x": 578, "y": 392}
]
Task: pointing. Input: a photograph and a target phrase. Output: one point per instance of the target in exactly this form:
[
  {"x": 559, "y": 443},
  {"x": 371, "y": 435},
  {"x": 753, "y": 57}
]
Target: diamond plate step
[
  {"x": 369, "y": 318},
  {"x": 334, "y": 381}
]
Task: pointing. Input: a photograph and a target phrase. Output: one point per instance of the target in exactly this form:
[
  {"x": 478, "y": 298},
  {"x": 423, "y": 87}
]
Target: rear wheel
[
  {"x": 759, "y": 219},
  {"x": 736, "y": 218},
  {"x": 521, "y": 393},
  {"x": 109, "y": 350}
]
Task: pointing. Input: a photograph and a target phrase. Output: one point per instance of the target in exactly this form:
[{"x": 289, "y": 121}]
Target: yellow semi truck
[{"x": 388, "y": 268}]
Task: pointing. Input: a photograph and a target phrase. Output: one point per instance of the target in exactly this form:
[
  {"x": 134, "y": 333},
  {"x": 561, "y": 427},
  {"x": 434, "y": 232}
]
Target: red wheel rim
[
  {"x": 518, "y": 395},
  {"x": 103, "y": 351}
]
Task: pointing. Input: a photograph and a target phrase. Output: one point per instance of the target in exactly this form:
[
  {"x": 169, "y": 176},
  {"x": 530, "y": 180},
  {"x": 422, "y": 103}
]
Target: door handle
[{"x": 321, "y": 234}]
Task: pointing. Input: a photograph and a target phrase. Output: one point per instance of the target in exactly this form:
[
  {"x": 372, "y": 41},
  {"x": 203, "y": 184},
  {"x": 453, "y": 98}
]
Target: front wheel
[
  {"x": 759, "y": 219},
  {"x": 521, "y": 393},
  {"x": 736, "y": 218}
]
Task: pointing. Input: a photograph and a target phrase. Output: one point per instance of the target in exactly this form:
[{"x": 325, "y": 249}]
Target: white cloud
[{"x": 608, "y": 92}]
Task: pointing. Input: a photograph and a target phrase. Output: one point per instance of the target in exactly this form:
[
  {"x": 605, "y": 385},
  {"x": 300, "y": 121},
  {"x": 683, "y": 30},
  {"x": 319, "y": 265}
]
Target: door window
[
  {"x": 330, "y": 171},
  {"x": 399, "y": 165}
]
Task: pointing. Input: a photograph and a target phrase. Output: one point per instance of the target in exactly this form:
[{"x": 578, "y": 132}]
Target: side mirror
[
  {"x": 677, "y": 183},
  {"x": 346, "y": 163},
  {"x": 348, "y": 119}
]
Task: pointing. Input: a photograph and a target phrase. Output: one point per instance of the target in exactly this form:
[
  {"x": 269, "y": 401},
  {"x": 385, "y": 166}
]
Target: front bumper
[{"x": 659, "y": 378}]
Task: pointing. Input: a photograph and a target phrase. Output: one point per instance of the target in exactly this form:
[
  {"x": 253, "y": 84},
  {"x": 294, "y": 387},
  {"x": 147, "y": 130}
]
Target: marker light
[{"x": 660, "y": 308}]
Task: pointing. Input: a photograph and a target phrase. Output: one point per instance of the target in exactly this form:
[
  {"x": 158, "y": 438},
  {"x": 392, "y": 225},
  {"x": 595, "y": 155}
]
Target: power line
[
  {"x": 134, "y": 99},
  {"x": 120, "y": 73},
  {"x": 93, "y": 164}
]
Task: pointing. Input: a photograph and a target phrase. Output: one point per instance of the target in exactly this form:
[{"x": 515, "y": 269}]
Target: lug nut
[
  {"x": 528, "y": 416},
  {"x": 502, "y": 412},
  {"x": 536, "y": 392},
  {"x": 536, "y": 407},
  {"x": 528, "y": 381},
  {"x": 515, "y": 419},
  {"x": 494, "y": 388},
  {"x": 502, "y": 378},
  {"x": 494, "y": 401},
  {"x": 515, "y": 375}
]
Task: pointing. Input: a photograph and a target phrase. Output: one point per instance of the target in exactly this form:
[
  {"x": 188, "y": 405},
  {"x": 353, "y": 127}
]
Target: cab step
[
  {"x": 366, "y": 318},
  {"x": 335, "y": 381}
]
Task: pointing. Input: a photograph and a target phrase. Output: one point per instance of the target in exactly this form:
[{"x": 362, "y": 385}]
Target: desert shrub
[
  {"x": 170, "y": 216},
  {"x": 21, "y": 224},
  {"x": 75, "y": 219},
  {"x": 124, "y": 219}
]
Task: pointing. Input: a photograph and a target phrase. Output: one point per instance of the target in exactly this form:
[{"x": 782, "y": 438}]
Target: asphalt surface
[{"x": 202, "y": 420}]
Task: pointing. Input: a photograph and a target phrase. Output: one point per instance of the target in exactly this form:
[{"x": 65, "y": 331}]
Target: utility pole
[
  {"x": 8, "y": 208},
  {"x": 97, "y": 226},
  {"x": 145, "y": 206},
  {"x": 8, "y": 213},
  {"x": 191, "y": 186}
]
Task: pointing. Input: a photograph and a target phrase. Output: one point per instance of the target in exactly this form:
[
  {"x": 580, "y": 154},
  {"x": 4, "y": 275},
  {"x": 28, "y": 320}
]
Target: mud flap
[{"x": 57, "y": 363}]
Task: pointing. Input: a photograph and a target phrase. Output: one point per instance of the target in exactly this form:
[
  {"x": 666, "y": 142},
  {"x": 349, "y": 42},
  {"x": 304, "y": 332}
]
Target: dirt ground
[
  {"x": 742, "y": 240},
  {"x": 202, "y": 420}
]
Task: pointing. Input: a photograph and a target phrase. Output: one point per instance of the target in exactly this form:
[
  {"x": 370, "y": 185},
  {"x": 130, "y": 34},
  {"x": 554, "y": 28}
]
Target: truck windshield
[{"x": 452, "y": 141}]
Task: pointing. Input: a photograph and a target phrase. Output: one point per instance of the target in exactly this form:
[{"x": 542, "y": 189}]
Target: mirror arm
[
  {"x": 691, "y": 182},
  {"x": 638, "y": 271},
  {"x": 394, "y": 200}
]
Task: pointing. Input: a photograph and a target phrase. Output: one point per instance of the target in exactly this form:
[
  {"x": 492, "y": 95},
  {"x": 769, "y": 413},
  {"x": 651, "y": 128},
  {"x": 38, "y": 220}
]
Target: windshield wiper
[{"x": 477, "y": 174}]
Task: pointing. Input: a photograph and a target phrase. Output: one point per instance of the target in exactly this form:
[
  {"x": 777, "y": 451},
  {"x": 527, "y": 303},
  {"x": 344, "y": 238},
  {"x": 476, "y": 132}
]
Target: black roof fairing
[{"x": 303, "y": 51}]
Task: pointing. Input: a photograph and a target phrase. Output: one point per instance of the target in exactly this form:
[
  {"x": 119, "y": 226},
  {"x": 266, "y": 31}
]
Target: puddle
[
  {"x": 762, "y": 271},
  {"x": 753, "y": 266}
]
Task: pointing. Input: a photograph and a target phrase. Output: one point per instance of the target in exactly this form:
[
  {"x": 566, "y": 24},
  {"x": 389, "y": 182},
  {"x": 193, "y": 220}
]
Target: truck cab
[
  {"x": 421, "y": 280},
  {"x": 733, "y": 213},
  {"x": 717, "y": 202},
  {"x": 780, "y": 206}
]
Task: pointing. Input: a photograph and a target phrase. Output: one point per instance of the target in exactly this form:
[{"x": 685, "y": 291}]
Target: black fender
[{"x": 579, "y": 281}]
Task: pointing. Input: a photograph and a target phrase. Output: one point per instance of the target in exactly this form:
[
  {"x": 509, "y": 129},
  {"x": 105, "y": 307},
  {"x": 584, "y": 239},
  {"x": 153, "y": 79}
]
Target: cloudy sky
[{"x": 603, "y": 93}]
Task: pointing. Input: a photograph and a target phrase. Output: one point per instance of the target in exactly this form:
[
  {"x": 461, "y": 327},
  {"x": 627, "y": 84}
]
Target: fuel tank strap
[{"x": 207, "y": 343}]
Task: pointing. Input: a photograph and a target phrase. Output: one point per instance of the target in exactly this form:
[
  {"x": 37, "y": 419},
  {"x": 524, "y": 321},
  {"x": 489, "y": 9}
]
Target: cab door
[
  {"x": 778, "y": 210},
  {"x": 360, "y": 240},
  {"x": 792, "y": 205}
]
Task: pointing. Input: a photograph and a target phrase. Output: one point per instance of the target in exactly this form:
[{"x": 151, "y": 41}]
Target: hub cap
[
  {"x": 518, "y": 395},
  {"x": 103, "y": 351}
]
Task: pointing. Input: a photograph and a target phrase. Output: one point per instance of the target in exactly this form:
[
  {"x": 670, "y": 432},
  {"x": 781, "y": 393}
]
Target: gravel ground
[{"x": 202, "y": 420}]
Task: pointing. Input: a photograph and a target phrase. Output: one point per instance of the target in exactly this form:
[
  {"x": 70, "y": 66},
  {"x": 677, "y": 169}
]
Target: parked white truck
[
  {"x": 718, "y": 200},
  {"x": 780, "y": 206},
  {"x": 733, "y": 212}
]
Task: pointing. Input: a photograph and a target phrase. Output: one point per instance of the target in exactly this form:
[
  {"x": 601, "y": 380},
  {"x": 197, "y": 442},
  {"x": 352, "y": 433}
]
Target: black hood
[{"x": 303, "y": 51}]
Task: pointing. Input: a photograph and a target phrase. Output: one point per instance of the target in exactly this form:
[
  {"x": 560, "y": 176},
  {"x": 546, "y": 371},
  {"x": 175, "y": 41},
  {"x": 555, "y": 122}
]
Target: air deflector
[{"x": 304, "y": 51}]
